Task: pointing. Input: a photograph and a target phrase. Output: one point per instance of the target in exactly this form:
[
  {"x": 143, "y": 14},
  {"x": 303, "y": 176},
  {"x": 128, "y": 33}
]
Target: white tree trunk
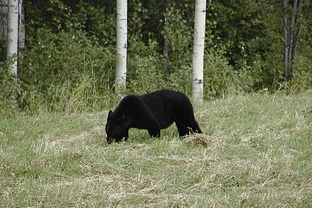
[
  {"x": 12, "y": 47},
  {"x": 198, "y": 52},
  {"x": 21, "y": 30},
  {"x": 121, "y": 65}
]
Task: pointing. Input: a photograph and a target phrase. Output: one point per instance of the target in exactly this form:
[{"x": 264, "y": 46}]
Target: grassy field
[{"x": 258, "y": 154}]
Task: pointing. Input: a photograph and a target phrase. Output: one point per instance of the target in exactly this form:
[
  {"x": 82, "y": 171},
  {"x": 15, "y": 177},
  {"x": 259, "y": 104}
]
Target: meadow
[{"x": 257, "y": 153}]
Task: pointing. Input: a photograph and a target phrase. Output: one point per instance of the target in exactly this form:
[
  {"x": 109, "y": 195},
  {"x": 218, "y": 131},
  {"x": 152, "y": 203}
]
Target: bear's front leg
[
  {"x": 153, "y": 127},
  {"x": 146, "y": 120},
  {"x": 154, "y": 132},
  {"x": 124, "y": 134}
]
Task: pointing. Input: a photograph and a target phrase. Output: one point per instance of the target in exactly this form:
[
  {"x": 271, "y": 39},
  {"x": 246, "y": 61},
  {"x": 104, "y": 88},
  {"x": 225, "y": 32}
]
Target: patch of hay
[{"x": 200, "y": 139}]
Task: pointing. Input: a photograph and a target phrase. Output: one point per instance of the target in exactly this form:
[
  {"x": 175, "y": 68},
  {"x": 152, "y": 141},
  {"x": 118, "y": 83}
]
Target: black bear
[{"x": 152, "y": 111}]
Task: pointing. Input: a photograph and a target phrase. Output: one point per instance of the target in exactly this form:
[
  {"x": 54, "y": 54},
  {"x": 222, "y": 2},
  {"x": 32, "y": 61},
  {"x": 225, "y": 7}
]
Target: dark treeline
[{"x": 68, "y": 61}]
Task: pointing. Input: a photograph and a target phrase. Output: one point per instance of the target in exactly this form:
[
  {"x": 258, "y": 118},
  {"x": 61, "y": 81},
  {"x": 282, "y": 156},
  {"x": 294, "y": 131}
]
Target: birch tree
[
  {"x": 12, "y": 42},
  {"x": 198, "y": 51},
  {"x": 166, "y": 40},
  {"x": 21, "y": 28},
  {"x": 121, "y": 65}
]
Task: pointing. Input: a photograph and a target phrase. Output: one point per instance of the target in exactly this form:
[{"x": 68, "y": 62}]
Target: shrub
[
  {"x": 219, "y": 77},
  {"x": 302, "y": 77},
  {"x": 60, "y": 69},
  {"x": 9, "y": 90}
]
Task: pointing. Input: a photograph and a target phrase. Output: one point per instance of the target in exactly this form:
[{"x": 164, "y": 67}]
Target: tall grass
[{"x": 259, "y": 156}]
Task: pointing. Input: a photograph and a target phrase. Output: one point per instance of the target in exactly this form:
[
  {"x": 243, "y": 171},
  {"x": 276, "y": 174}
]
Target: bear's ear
[{"x": 109, "y": 115}]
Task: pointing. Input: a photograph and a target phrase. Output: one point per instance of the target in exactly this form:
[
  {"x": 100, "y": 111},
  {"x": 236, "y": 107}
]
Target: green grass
[{"x": 261, "y": 156}]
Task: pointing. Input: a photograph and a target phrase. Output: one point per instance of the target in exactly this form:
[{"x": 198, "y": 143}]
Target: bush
[
  {"x": 144, "y": 74},
  {"x": 219, "y": 77},
  {"x": 65, "y": 72},
  {"x": 302, "y": 77},
  {"x": 9, "y": 91}
]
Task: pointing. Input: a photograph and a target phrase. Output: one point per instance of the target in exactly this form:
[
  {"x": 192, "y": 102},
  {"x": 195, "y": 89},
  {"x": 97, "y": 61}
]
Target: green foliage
[
  {"x": 302, "y": 79},
  {"x": 250, "y": 34},
  {"x": 9, "y": 89},
  {"x": 69, "y": 58},
  {"x": 219, "y": 77},
  {"x": 144, "y": 75},
  {"x": 64, "y": 69},
  {"x": 2, "y": 50},
  {"x": 179, "y": 36}
]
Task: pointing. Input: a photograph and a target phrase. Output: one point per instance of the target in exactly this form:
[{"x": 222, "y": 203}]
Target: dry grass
[
  {"x": 256, "y": 152},
  {"x": 201, "y": 139}
]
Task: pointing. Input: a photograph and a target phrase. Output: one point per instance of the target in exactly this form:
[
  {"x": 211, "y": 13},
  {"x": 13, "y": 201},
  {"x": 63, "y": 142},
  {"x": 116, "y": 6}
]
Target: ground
[{"x": 257, "y": 152}]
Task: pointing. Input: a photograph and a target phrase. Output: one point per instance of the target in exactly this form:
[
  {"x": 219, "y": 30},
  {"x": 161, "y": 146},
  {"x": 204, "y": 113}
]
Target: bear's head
[{"x": 116, "y": 127}]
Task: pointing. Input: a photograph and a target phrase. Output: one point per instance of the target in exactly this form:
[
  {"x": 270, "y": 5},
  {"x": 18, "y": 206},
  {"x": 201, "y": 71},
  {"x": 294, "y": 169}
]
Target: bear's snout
[{"x": 109, "y": 140}]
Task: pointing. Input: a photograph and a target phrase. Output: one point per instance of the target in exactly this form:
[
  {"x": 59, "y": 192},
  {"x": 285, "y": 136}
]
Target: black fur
[{"x": 152, "y": 111}]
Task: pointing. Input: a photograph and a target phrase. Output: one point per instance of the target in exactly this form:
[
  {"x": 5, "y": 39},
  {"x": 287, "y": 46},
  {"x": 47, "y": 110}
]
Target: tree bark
[
  {"x": 21, "y": 28},
  {"x": 198, "y": 52},
  {"x": 166, "y": 47},
  {"x": 121, "y": 65},
  {"x": 12, "y": 47},
  {"x": 292, "y": 28}
]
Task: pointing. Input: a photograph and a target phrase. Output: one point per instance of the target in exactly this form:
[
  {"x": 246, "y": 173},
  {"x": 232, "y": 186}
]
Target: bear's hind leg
[
  {"x": 188, "y": 129},
  {"x": 195, "y": 128},
  {"x": 182, "y": 129}
]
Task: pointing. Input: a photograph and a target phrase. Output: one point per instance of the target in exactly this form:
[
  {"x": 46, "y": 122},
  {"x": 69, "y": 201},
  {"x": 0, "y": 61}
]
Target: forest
[{"x": 67, "y": 59}]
